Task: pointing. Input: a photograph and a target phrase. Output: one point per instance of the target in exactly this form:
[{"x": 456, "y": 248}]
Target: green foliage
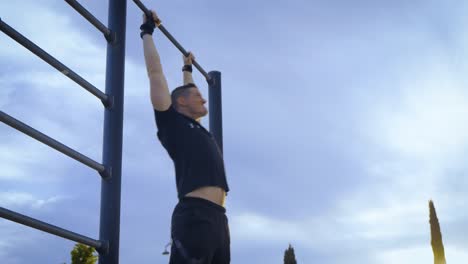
[
  {"x": 436, "y": 236},
  {"x": 289, "y": 257},
  {"x": 82, "y": 254}
]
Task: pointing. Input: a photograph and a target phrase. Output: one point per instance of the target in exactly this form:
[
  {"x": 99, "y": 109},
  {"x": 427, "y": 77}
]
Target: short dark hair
[{"x": 181, "y": 91}]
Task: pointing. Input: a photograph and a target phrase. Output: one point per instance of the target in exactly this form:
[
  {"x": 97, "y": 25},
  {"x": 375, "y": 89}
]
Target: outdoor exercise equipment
[{"x": 112, "y": 100}]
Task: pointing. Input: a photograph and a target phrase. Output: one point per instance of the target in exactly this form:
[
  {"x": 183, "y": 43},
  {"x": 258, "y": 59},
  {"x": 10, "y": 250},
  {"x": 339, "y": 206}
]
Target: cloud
[
  {"x": 255, "y": 227},
  {"x": 21, "y": 199},
  {"x": 323, "y": 233},
  {"x": 416, "y": 139},
  {"x": 411, "y": 139},
  {"x": 419, "y": 254},
  {"x": 429, "y": 120}
]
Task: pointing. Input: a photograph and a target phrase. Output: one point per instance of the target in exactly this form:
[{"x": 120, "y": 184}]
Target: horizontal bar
[
  {"x": 172, "y": 39},
  {"x": 92, "y": 19},
  {"x": 52, "y": 143},
  {"x": 53, "y": 62},
  {"x": 51, "y": 229}
]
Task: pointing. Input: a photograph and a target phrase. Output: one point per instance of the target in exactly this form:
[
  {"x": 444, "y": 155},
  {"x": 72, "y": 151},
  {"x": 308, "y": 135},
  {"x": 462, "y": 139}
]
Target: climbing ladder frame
[{"x": 113, "y": 101}]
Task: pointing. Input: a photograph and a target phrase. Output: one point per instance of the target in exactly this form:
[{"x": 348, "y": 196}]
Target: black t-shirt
[{"x": 197, "y": 158}]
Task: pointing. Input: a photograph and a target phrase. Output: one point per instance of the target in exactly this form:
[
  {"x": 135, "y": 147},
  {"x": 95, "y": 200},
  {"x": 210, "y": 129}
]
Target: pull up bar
[
  {"x": 51, "y": 229},
  {"x": 172, "y": 39},
  {"x": 28, "y": 44},
  {"x": 92, "y": 19},
  {"x": 22, "y": 127}
]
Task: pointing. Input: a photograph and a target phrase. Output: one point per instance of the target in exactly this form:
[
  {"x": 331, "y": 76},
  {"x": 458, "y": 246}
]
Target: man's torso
[
  {"x": 197, "y": 158},
  {"x": 211, "y": 193}
]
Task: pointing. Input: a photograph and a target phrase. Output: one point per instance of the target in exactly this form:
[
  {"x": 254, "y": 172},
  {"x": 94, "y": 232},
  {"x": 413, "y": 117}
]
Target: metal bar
[
  {"x": 5, "y": 118},
  {"x": 215, "y": 104},
  {"x": 92, "y": 19},
  {"x": 172, "y": 39},
  {"x": 109, "y": 229},
  {"x": 51, "y": 229},
  {"x": 53, "y": 62}
]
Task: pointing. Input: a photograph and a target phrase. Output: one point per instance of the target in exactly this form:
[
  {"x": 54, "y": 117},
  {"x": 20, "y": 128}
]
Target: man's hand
[
  {"x": 189, "y": 59},
  {"x": 149, "y": 24},
  {"x": 155, "y": 17},
  {"x": 187, "y": 69}
]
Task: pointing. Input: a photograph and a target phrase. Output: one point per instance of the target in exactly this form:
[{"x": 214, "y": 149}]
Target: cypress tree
[
  {"x": 289, "y": 257},
  {"x": 436, "y": 236}
]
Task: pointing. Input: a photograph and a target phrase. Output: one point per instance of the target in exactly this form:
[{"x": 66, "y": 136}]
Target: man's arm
[
  {"x": 188, "y": 65},
  {"x": 159, "y": 90}
]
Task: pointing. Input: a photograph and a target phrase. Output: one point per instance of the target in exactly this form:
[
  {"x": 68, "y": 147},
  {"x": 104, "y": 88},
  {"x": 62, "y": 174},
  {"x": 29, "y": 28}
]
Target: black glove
[{"x": 148, "y": 26}]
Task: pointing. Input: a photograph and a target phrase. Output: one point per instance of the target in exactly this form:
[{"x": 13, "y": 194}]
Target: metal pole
[
  {"x": 51, "y": 229},
  {"x": 15, "y": 35},
  {"x": 172, "y": 39},
  {"x": 113, "y": 125},
  {"x": 22, "y": 127},
  {"x": 215, "y": 104},
  {"x": 92, "y": 19},
  {"x": 176, "y": 43}
]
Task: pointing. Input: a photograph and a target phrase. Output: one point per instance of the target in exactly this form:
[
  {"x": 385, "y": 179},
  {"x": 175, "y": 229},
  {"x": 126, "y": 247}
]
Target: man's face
[{"x": 196, "y": 103}]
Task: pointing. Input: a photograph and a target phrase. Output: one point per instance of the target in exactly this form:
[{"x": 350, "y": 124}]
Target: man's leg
[
  {"x": 192, "y": 235},
  {"x": 223, "y": 252}
]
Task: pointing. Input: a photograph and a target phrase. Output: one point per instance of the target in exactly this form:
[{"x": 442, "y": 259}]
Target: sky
[{"x": 341, "y": 120}]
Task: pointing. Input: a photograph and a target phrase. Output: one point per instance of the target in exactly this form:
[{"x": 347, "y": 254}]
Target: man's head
[{"x": 188, "y": 100}]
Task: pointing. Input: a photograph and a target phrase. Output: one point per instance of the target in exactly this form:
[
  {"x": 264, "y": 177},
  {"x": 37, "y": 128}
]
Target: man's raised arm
[
  {"x": 159, "y": 90},
  {"x": 187, "y": 69}
]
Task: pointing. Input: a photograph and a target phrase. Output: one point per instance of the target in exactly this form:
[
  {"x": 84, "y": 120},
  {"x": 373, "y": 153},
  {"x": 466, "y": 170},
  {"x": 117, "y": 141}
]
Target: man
[{"x": 199, "y": 230}]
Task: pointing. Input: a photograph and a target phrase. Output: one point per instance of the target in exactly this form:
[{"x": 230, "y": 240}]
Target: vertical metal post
[
  {"x": 113, "y": 124},
  {"x": 216, "y": 114}
]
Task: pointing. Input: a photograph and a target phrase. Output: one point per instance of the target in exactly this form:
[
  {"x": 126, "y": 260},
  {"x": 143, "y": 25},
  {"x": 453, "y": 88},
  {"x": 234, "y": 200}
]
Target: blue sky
[{"x": 341, "y": 120}]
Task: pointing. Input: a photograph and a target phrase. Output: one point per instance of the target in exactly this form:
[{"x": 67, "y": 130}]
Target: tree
[
  {"x": 436, "y": 236},
  {"x": 289, "y": 257},
  {"x": 82, "y": 254}
]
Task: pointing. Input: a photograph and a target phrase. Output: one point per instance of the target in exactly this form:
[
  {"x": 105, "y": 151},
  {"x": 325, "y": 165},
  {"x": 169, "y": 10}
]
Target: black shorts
[{"x": 200, "y": 233}]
